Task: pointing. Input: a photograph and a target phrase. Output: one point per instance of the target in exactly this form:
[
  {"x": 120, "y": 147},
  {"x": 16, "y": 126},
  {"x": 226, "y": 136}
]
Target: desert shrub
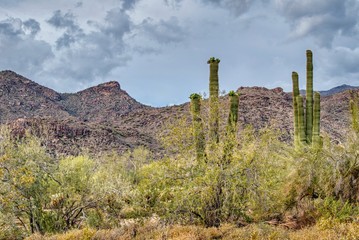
[
  {"x": 25, "y": 172},
  {"x": 323, "y": 181},
  {"x": 249, "y": 187}
]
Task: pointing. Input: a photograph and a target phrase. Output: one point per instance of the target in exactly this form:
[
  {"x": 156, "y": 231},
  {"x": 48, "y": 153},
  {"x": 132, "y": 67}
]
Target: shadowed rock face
[{"x": 105, "y": 118}]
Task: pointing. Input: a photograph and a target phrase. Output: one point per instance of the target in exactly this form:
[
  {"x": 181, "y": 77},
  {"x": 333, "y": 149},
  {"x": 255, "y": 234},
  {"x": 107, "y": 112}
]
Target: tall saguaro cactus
[
  {"x": 306, "y": 123},
  {"x": 295, "y": 107},
  {"x": 213, "y": 99},
  {"x": 309, "y": 97},
  {"x": 198, "y": 132}
]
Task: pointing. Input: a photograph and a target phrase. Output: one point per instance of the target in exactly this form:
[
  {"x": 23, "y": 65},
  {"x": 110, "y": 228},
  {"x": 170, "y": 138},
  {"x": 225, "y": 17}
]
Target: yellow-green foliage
[
  {"x": 155, "y": 231},
  {"x": 183, "y": 190}
]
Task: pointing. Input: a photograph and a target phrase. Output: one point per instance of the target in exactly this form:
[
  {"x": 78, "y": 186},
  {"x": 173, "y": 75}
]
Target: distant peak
[
  {"x": 8, "y": 72},
  {"x": 107, "y": 87},
  {"x": 111, "y": 84}
]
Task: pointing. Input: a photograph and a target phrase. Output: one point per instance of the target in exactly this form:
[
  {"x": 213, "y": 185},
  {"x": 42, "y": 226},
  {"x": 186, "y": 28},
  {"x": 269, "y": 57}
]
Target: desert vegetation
[{"x": 214, "y": 182}]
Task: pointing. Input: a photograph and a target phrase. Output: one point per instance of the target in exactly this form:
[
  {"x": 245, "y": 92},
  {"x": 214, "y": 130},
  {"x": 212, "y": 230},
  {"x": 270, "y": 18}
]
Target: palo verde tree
[{"x": 212, "y": 211}]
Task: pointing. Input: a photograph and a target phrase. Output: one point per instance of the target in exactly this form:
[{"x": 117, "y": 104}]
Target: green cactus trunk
[
  {"x": 231, "y": 126},
  {"x": 354, "y": 114},
  {"x": 233, "y": 109},
  {"x": 295, "y": 107},
  {"x": 309, "y": 97},
  {"x": 316, "y": 120},
  {"x": 301, "y": 125},
  {"x": 213, "y": 99},
  {"x": 198, "y": 133}
]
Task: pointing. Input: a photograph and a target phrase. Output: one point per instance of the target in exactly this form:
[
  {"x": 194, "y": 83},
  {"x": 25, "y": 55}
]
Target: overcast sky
[{"x": 158, "y": 49}]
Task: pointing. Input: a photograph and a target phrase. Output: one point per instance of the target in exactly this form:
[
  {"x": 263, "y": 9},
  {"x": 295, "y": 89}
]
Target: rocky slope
[{"x": 105, "y": 118}]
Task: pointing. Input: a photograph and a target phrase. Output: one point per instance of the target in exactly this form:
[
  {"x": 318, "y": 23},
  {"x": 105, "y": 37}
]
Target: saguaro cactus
[
  {"x": 301, "y": 125},
  {"x": 316, "y": 120},
  {"x": 306, "y": 124},
  {"x": 213, "y": 99},
  {"x": 233, "y": 109},
  {"x": 295, "y": 107},
  {"x": 231, "y": 126},
  {"x": 354, "y": 111},
  {"x": 198, "y": 132},
  {"x": 309, "y": 97}
]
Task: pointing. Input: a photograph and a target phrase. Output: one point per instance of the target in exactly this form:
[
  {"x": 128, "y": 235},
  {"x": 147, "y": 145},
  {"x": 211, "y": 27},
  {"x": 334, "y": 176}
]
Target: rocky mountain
[
  {"x": 334, "y": 90},
  {"x": 338, "y": 89},
  {"x": 105, "y": 118}
]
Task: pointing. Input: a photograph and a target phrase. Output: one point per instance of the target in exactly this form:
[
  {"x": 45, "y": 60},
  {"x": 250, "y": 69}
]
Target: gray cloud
[
  {"x": 79, "y": 4},
  {"x": 322, "y": 19},
  {"x": 128, "y": 4},
  {"x": 163, "y": 32},
  {"x": 7, "y": 3},
  {"x": 237, "y": 7},
  {"x": 33, "y": 26},
  {"x": 343, "y": 61},
  {"x": 67, "y": 21},
  {"x": 92, "y": 55},
  {"x": 20, "y": 51},
  {"x": 11, "y": 27},
  {"x": 60, "y": 20}
]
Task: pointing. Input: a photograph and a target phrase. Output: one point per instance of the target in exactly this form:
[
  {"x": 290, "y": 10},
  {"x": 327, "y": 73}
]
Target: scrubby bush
[{"x": 249, "y": 187}]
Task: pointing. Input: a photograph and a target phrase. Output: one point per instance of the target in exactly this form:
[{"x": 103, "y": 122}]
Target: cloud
[
  {"x": 67, "y": 21},
  {"x": 86, "y": 57},
  {"x": 32, "y": 26},
  {"x": 19, "y": 48},
  {"x": 237, "y": 7},
  {"x": 128, "y": 4},
  {"x": 162, "y": 32},
  {"x": 7, "y": 3},
  {"x": 343, "y": 61},
  {"x": 322, "y": 19},
  {"x": 60, "y": 20},
  {"x": 79, "y": 4}
]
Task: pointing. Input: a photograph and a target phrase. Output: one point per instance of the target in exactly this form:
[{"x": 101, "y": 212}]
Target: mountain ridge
[{"x": 106, "y": 118}]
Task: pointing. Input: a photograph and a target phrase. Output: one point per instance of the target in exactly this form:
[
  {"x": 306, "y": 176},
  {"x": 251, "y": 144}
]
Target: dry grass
[{"x": 323, "y": 230}]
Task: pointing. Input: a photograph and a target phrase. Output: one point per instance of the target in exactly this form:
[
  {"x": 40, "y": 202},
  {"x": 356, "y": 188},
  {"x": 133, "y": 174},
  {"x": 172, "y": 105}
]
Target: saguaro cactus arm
[
  {"x": 316, "y": 119},
  {"x": 295, "y": 94},
  {"x": 231, "y": 127},
  {"x": 301, "y": 125},
  {"x": 354, "y": 113},
  {"x": 309, "y": 97},
  {"x": 198, "y": 133},
  {"x": 233, "y": 109}
]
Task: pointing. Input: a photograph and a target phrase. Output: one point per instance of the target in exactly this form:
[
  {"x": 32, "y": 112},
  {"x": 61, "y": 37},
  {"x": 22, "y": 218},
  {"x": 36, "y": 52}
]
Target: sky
[{"x": 158, "y": 49}]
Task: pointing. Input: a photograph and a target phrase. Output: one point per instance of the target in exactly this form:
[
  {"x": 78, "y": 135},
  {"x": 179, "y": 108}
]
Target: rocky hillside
[{"x": 105, "y": 118}]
